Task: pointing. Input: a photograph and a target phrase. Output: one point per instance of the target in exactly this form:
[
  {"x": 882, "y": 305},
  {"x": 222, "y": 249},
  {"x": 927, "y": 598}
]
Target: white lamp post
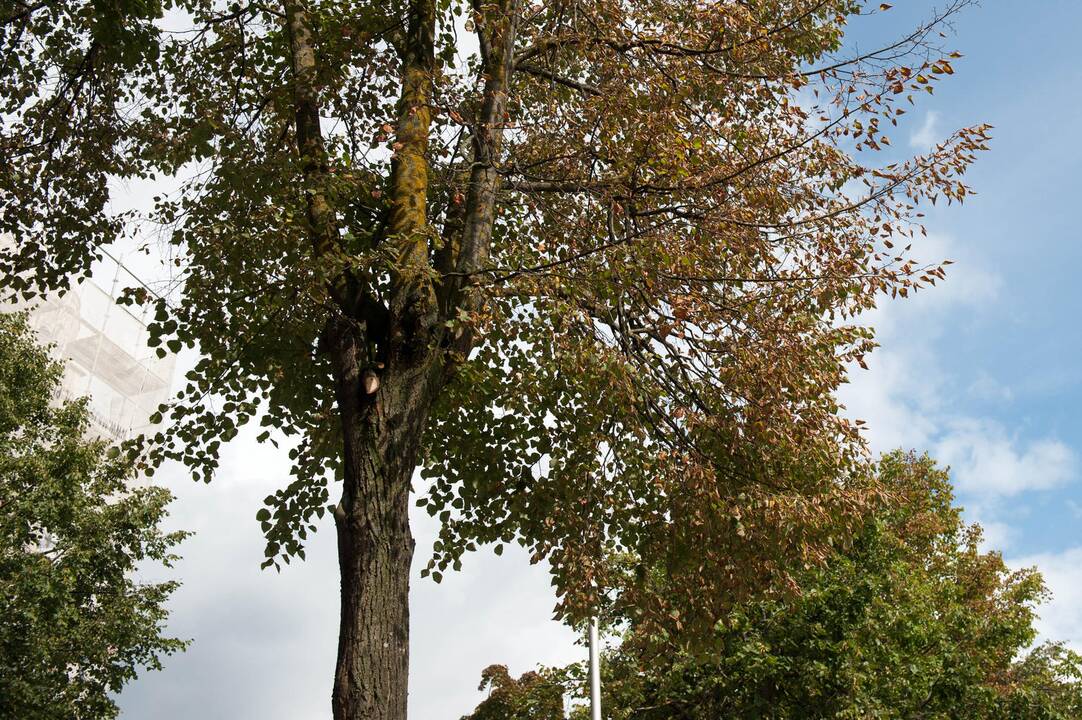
[{"x": 595, "y": 673}]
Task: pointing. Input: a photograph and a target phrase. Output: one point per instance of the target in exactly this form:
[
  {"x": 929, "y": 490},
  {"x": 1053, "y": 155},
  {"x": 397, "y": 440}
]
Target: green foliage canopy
[
  {"x": 593, "y": 266},
  {"x": 913, "y": 621},
  {"x": 75, "y": 623}
]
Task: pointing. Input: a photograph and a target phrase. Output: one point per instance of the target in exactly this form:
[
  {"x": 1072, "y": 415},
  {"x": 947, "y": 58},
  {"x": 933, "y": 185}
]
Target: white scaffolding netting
[{"x": 104, "y": 349}]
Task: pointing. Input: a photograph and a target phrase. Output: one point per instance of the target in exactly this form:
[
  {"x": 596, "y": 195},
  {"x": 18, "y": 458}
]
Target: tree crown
[{"x": 621, "y": 243}]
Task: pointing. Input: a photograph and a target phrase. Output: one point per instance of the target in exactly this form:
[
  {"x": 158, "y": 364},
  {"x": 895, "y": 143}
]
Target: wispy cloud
[
  {"x": 987, "y": 388},
  {"x": 927, "y": 135},
  {"x": 910, "y": 401},
  {"x": 986, "y": 461}
]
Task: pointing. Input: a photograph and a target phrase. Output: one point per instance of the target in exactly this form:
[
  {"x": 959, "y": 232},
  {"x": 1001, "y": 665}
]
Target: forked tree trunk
[
  {"x": 381, "y": 442},
  {"x": 382, "y": 425}
]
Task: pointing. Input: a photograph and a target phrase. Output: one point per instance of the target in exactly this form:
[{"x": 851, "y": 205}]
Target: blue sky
[
  {"x": 1019, "y": 343},
  {"x": 982, "y": 371}
]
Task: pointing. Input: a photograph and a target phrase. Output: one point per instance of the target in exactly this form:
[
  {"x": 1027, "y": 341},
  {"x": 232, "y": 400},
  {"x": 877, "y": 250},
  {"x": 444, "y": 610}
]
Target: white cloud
[
  {"x": 910, "y": 401},
  {"x": 969, "y": 285},
  {"x": 997, "y": 535},
  {"x": 985, "y": 461},
  {"x": 905, "y": 397},
  {"x": 1061, "y": 618},
  {"x": 891, "y": 400},
  {"x": 987, "y": 388},
  {"x": 263, "y": 643},
  {"x": 495, "y": 610},
  {"x": 927, "y": 135}
]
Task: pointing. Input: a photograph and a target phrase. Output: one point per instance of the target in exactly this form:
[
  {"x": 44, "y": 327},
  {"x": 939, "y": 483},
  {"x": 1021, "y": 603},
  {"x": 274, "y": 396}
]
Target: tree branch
[
  {"x": 484, "y": 183},
  {"x": 408, "y": 222},
  {"x": 531, "y": 69}
]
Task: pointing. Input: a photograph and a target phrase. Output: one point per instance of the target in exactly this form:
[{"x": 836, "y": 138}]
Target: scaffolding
[{"x": 106, "y": 356}]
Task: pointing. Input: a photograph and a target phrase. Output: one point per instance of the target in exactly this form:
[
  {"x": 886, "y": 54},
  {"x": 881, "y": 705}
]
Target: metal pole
[{"x": 595, "y": 673}]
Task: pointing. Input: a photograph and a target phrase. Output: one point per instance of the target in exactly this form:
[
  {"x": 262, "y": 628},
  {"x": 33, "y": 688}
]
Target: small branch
[
  {"x": 555, "y": 186},
  {"x": 25, "y": 12},
  {"x": 531, "y": 69},
  {"x": 484, "y": 46}
]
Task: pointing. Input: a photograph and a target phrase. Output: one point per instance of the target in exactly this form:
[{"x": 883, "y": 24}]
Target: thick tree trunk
[
  {"x": 383, "y": 402},
  {"x": 381, "y": 431},
  {"x": 375, "y": 549}
]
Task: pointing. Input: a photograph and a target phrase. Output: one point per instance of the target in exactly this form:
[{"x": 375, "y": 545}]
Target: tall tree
[
  {"x": 74, "y": 623},
  {"x": 590, "y": 265},
  {"x": 912, "y": 621}
]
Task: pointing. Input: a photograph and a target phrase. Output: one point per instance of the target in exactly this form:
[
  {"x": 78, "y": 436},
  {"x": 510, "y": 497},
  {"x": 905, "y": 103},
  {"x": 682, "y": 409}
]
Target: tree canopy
[
  {"x": 75, "y": 623},
  {"x": 532, "y": 696},
  {"x": 913, "y": 621},
  {"x": 592, "y": 265}
]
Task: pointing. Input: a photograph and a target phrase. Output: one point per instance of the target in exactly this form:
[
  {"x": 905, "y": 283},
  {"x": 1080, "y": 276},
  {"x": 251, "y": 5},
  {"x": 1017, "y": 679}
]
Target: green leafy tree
[
  {"x": 74, "y": 623},
  {"x": 591, "y": 265},
  {"x": 913, "y": 621}
]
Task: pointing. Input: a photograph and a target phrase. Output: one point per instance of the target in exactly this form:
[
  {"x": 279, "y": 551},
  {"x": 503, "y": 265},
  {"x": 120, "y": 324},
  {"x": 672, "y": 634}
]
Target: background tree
[
  {"x": 532, "y": 696},
  {"x": 913, "y": 621},
  {"x": 591, "y": 265},
  {"x": 75, "y": 624}
]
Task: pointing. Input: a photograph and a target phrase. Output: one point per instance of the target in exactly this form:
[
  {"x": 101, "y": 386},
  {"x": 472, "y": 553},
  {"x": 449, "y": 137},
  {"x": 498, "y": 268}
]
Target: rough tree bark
[
  {"x": 381, "y": 440},
  {"x": 381, "y": 420},
  {"x": 383, "y": 402}
]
